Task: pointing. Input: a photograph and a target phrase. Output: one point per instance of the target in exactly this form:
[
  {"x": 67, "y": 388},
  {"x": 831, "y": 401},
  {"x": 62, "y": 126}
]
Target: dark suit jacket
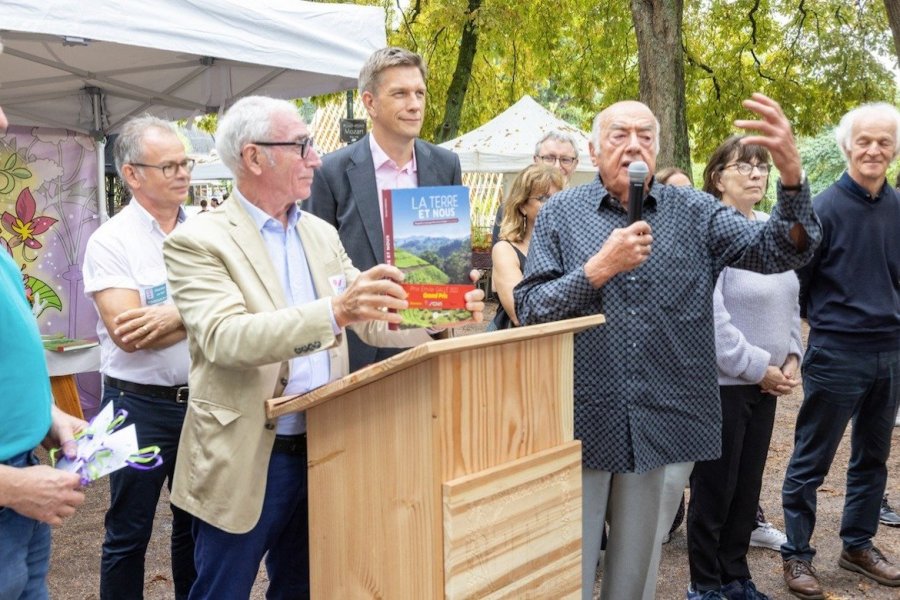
[{"x": 344, "y": 194}]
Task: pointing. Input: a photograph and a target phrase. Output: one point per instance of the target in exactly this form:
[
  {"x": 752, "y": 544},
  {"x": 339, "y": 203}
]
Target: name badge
[
  {"x": 156, "y": 294},
  {"x": 338, "y": 283}
]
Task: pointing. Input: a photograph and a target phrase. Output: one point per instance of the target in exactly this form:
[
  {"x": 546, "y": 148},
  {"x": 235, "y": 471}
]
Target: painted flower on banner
[{"x": 24, "y": 226}]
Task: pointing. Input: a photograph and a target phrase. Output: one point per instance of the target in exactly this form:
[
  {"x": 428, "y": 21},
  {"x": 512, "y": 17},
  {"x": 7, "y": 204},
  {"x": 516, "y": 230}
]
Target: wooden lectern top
[{"x": 276, "y": 407}]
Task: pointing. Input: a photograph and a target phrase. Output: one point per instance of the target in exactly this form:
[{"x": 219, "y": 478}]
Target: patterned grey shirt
[{"x": 645, "y": 382}]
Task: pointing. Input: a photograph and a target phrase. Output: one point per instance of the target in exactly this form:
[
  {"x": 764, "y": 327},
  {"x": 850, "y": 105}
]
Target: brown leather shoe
[
  {"x": 800, "y": 577},
  {"x": 871, "y": 563}
]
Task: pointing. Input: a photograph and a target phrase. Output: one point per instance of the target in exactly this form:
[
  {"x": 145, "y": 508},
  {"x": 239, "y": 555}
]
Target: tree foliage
[
  {"x": 523, "y": 48},
  {"x": 823, "y": 159},
  {"x": 818, "y": 58}
]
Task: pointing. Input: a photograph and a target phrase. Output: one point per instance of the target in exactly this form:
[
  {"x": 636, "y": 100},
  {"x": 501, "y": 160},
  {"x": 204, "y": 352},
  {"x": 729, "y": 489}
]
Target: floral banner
[{"x": 48, "y": 210}]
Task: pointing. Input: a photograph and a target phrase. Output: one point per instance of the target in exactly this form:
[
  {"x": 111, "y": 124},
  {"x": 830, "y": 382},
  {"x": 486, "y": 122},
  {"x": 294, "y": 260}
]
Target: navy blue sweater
[{"x": 851, "y": 287}]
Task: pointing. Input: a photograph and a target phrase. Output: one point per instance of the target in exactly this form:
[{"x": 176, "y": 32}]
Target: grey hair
[
  {"x": 557, "y": 136},
  {"x": 595, "y": 133},
  {"x": 128, "y": 147},
  {"x": 248, "y": 120},
  {"x": 843, "y": 133},
  {"x": 385, "y": 58}
]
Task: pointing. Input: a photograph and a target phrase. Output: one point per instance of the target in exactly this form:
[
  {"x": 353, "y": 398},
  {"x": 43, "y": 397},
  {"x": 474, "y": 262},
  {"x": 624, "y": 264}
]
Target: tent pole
[
  {"x": 102, "y": 212},
  {"x": 96, "y": 110},
  {"x": 100, "y": 140}
]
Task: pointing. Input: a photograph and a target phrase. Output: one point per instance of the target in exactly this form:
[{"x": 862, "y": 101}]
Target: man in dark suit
[{"x": 347, "y": 188}]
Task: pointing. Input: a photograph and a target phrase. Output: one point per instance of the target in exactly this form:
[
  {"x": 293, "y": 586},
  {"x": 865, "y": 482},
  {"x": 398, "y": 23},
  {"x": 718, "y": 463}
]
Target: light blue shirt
[
  {"x": 289, "y": 259},
  {"x": 25, "y": 398}
]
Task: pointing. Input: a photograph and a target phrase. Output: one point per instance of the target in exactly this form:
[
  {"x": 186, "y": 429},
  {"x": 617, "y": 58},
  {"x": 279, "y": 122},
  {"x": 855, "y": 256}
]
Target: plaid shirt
[{"x": 645, "y": 382}]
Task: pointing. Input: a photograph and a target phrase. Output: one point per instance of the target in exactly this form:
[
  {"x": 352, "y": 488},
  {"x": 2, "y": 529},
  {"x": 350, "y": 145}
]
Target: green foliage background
[{"x": 818, "y": 58}]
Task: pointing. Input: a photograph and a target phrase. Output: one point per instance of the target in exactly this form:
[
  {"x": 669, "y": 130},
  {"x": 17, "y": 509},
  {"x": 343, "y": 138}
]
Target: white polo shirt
[{"x": 126, "y": 252}]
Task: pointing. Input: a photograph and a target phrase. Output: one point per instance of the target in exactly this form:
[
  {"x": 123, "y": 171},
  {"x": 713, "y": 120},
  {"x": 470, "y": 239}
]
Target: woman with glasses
[
  {"x": 758, "y": 349},
  {"x": 532, "y": 187}
]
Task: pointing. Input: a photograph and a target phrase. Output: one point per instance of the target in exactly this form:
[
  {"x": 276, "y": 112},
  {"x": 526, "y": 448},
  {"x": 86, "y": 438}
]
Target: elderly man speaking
[
  {"x": 646, "y": 397},
  {"x": 265, "y": 293}
]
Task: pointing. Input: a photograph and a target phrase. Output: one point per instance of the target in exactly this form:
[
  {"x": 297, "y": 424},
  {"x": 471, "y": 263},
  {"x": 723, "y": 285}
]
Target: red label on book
[{"x": 437, "y": 297}]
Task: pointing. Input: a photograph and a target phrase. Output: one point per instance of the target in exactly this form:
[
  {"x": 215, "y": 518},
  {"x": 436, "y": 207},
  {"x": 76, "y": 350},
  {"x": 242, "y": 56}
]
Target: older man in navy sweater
[{"x": 851, "y": 371}]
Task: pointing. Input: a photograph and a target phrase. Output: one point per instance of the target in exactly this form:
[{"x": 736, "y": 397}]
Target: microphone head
[{"x": 637, "y": 171}]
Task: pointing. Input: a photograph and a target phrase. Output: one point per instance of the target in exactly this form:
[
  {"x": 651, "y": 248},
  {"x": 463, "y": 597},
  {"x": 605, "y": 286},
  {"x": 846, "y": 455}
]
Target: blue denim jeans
[
  {"x": 227, "y": 563},
  {"x": 24, "y": 549},
  {"x": 134, "y": 495},
  {"x": 840, "y": 386}
]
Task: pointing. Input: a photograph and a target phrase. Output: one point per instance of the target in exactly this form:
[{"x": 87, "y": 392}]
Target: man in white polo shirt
[{"x": 144, "y": 353}]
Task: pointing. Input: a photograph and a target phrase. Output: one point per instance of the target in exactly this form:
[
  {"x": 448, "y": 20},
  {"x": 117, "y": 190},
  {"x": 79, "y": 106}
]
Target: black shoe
[{"x": 888, "y": 516}]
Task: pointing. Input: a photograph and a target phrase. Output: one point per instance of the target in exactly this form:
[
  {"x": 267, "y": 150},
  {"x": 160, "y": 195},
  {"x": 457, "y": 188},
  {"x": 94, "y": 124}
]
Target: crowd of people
[{"x": 283, "y": 289}]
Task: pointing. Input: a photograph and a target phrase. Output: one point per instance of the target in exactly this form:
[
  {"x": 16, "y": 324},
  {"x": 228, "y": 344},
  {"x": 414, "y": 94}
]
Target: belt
[
  {"x": 294, "y": 445},
  {"x": 176, "y": 393}
]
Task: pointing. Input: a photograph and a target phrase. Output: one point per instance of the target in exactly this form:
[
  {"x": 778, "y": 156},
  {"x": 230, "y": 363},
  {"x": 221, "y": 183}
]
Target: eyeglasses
[
  {"x": 566, "y": 161},
  {"x": 170, "y": 169},
  {"x": 542, "y": 198},
  {"x": 746, "y": 168},
  {"x": 303, "y": 145}
]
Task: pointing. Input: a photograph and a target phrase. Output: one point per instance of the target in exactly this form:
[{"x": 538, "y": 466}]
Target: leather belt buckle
[{"x": 182, "y": 394}]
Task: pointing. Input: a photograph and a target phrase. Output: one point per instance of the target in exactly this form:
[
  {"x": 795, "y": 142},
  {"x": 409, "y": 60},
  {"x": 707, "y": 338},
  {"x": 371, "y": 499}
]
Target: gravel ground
[{"x": 74, "y": 572}]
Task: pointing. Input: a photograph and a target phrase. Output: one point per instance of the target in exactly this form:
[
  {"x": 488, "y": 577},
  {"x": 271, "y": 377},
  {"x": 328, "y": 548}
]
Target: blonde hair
[{"x": 533, "y": 180}]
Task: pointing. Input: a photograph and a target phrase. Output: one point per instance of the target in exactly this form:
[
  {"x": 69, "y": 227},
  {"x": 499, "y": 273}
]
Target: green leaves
[
  {"x": 818, "y": 58},
  {"x": 10, "y": 173},
  {"x": 48, "y": 297}
]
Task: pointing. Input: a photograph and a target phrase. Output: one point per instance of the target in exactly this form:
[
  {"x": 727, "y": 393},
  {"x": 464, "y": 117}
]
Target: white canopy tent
[
  {"x": 89, "y": 66},
  {"x": 505, "y": 144},
  {"x": 213, "y": 170}
]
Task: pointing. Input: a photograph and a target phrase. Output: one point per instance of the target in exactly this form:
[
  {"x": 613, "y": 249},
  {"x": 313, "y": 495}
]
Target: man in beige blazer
[{"x": 265, "y": 292}]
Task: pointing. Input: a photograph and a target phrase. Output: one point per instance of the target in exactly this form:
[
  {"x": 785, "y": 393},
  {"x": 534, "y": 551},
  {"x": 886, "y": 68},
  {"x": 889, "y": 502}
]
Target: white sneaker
[{"x": 768, "y": 536}]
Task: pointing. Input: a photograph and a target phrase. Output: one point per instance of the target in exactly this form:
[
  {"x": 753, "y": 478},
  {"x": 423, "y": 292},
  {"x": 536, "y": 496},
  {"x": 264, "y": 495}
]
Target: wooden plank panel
[
  {"x": 504, "y": 402},
  {"x": 286, "y": 404},
  {"x": 514, "y": 531},
  {"x": 375, "y": 506}
]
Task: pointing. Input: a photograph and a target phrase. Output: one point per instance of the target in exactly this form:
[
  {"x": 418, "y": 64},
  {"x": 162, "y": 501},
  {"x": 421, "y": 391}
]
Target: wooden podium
[{"x": 448, "y": 471}]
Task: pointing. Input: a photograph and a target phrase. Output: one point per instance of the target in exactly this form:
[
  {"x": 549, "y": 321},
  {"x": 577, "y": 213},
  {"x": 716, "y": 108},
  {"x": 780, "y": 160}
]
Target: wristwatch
[{"x": 794, "y": 188}]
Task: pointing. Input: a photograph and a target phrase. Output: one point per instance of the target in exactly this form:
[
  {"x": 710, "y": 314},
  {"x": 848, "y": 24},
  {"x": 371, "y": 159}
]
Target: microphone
[{"x": 637, "y": 173}]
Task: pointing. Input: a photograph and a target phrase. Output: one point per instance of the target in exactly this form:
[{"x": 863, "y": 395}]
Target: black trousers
[{"x": 725, "y": 491}]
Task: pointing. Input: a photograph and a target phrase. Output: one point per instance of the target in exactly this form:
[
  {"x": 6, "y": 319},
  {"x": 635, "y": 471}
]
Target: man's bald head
[
  {"x": 623, "y": 133},
  {"x": 628, "y": 108}
]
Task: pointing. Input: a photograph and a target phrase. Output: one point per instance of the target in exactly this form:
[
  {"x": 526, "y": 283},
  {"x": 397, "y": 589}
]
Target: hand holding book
[
  {"x": 371, "y": 297},
  {"x": 377, "y": 292}
]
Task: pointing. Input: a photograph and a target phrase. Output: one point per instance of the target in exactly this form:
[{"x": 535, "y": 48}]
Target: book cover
[
  {"x": 428, "y": 235},
  {"x": 58, "y": 342}
]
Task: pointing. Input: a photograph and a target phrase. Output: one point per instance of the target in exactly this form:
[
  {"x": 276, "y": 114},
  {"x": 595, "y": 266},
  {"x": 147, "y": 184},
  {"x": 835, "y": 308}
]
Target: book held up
[{"x": 428, "y": 236}]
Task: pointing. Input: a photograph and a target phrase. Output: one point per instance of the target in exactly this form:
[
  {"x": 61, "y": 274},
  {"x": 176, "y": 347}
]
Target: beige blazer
[{"x": 241, "y": 334}]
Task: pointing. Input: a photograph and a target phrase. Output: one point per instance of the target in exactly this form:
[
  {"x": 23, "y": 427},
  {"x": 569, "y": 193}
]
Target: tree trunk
[
  {"x": 657, "y": 24},
  {"x": 456, "y": 93},
  {"x": 893, "y": 12}
]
